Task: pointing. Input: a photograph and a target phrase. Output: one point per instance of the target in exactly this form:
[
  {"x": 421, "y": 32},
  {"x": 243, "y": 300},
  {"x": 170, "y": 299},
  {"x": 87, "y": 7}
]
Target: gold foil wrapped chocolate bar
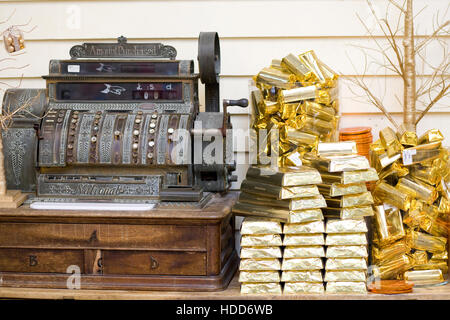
[
  {"x": 285, "y": 176},
  {"x": 289, "y": 204},
  {"x": 278, "y": 192},
  {"x": 343, "y": 148},
  {"x": 259, "y": 276},
  {"x": 302, "y": 276},
  {"x": 385, "y": 193},
  {"x": 346, "y": 239},
  {"x": 350, "y": 200},
  {"x": 390, "y": 142},
  {"x": 304, "y": 252},
  {"x": 295, "y": 264},
  {"x": 336, "y": 163},
  {"x": 260, "y": 226},
  {"x": 303, "y": 287},
  {"x": 266, "y": 240},
  {"x": 336, "y": 189},
  {"x": 389, "y": 225},
  {"x": 348, "y": 213},
  {"x": 424, "y": 277},
  {"x": 346, "y": 264},
  {"x": 306, "y": 216},
  {"x": 260, "y": 264},
  {"x": 260, "y": 253},
  {"x": 347, "y": 275},
  {"x": 347, "y": 252},
  {"x": 261, "y": 288},
  {"x": 303, "y": 240},
  {"x": 346, "y": 226},
  {"x": 304, "y": 228},
  {"x": 346, "y": 287},
  {"x": 350, "y": 177}
]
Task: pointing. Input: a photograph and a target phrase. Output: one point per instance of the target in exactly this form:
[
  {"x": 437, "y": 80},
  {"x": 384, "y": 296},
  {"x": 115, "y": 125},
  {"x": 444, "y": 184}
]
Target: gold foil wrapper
[
  {"x": 295, "y": 66},
  {"x": 390, "y": 269},
  {"x": 260, "y": 226},
  {"x": 336, "y": 189},
  {"x": 267, "y": 240},
  {"x": 417, "y": 189},
  {"x": 377, "y": 148},
  {"x": 389, "y": 141},
  {"x": 304, "y": 252},
  {"x": 389, "y": 225},
  {"x": 390, "y": 252},
  {"x": 424, "y": 276},
  {"x": 394, "y": 169},
  {"x": 435, "y": 227},
  {"x": 259, "y": 276},
  {"x": 433, "y": 135},
  {"x": 289, "y": 110},
  {"x": 347, "y": 275},
  {"x": 302, "y": 228},
  {"x": 348, "y": 213},
  {"x": 343, "y": 148},
  {"x": 350, "y": 177},
  {"x": 350, "y": 200},
  {"x": 433, "y": 265},
  {"x": 422, "y": 241},
  {"x": 325, "y": 96},
  {"x": 299, "y": 137},
  {"x": 276, "y": 64},
  {"x": 346, "y": 287},
  {"x": 346, "y": 226},
  {"x": 277, "y": 192},
  {"x": 310, "y": 60},
  {"x": 347, "y": 252},
  {"x": 303, "y": 240},
  {"x": 260, "y": 252},
  {"x": 303, "y": 288},
  {"x": 428, "y": 175},
  {"x": 349, "y": 239},
  {"x": 302, "y": 276},
  {"x": 291, "y": 176},
  {"x": 306, "y": 216},
  {"x": 314, "y": 126},
  {"x": 337, "y": 163},
  {"x": 272, "y": 77},
  {"x": 419, "y": 257},
  {"x": 408, "y": 138},
  {"x": 260, "y": 288},
  {"x": 300, "y": 264},
  {"x": 346, "y": 264},
  {"x": 260, "y": 212},
  {"x": 260, "y": 264},
  {"x": 421, "y": 153},
  {"x": 443, "y": 255},
  {"x": 381, "y": 161},
  {"x": 385, "y": 193},
  {"x": 317, "y": 110},
  {"x": 289, "y": 204}
]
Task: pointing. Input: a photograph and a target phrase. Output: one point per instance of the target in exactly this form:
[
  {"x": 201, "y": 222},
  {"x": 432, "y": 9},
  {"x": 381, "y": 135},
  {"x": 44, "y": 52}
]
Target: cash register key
[
  {"x": 154, "y": 116},
  {"x": 151, "y": 143},
  {"x": 135, "y": 146},
  {"x": 170, "y": 130},
  {"x": 152, "y": 125},
  {"x": 136, "y": 132},
  {"x": 150, "y": 155},
  {"x": 137, "y": 120},
  {"x": 151, "y": 131},
  {"x": 94, "y": 139},
  {"x": 117, "y": 133},
  {"x": 74, "y": 120},
  {"x": 69, "y": 146}
]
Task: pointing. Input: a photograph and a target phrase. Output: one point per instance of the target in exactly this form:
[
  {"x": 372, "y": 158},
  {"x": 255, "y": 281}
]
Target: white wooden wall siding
[{"x": 252, "y": 33}]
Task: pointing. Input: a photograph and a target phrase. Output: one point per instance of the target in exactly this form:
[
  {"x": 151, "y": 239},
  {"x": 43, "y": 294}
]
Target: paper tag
[
  {"x": 407, "y": 156},
  {"x": 73, "y": 68},
  {"x": 295, "y": 158}
]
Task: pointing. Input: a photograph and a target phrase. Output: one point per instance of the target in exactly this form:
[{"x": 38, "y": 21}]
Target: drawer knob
[{"x": 153, "y": 263}]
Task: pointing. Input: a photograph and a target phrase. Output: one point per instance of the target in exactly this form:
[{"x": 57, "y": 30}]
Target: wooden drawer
[
  {"x": 154, "y": 262},
  {"x": 120, "y": 236},
  {"x": 37, "y": 260}
]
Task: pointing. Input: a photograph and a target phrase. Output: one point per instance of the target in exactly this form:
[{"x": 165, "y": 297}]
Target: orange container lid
[{"x": 355, "y": 130}]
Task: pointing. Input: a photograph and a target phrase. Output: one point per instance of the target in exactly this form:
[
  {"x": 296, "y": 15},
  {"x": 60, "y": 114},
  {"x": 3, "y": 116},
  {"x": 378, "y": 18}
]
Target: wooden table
[{"x": 231, "y": 293}]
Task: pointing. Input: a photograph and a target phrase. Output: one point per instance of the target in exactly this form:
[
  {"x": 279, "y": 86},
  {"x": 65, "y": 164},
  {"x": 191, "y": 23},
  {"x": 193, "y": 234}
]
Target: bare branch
[
  {"x": 432, "y": 36},
  {"x": 441, "y": 94},
  {"x": 401, "y": 8},
  {"x": 10, "y": 16}
]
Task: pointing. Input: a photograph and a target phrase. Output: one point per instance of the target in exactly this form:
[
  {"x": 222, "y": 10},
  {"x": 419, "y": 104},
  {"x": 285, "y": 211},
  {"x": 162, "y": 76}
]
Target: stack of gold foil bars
[
  {"x": 344, "y": 174},
  {"x": 412, "y": 215},
  {"x": 297, "y": 97},
  {"x": 260, "y": 256}
]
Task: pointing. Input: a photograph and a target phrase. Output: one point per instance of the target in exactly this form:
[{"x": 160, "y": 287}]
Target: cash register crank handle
[{"x": 243, "y": 103}]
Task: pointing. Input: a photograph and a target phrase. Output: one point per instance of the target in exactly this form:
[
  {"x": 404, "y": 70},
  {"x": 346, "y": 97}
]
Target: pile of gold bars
[
  {"x": 268, "y": 197},
  {"x": 260, "y": 256},
  {"x": 344, "y": 174},
  {"x": 297, "y": 97},
  {"x": 411, "y": 228}
]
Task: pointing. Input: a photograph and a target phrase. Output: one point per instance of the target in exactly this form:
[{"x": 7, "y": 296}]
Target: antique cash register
[{"x": 119, "y": 125}]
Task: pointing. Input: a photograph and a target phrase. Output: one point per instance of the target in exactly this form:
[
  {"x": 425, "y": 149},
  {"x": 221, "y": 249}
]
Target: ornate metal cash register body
[{"x": 110, "y": 127}]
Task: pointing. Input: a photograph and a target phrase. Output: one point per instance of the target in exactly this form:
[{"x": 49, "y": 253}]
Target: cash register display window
[
  {"x": 170, "y": 91},
  {"x": 108, "y": 67}
]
